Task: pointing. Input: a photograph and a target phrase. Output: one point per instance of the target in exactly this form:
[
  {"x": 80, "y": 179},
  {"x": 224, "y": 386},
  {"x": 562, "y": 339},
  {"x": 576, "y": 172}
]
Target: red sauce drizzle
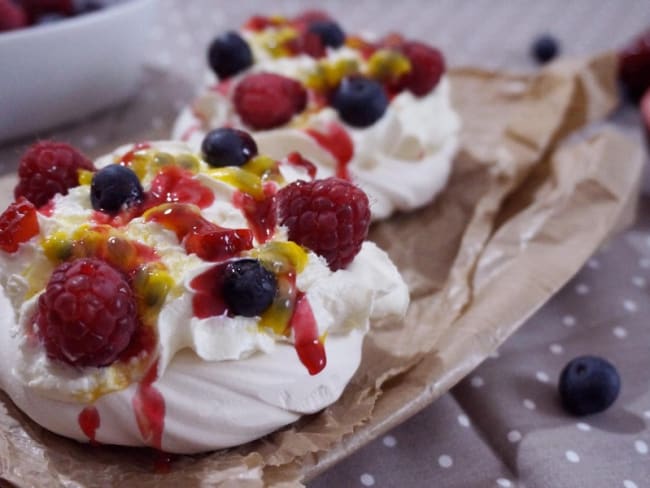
[
  {"x": 208, "y": 300},
  {"x": 174, "y": 184},
  {"x": 200, "y": 236},
  {"x": 339, "y": 144},
  {"x": 259, "y": 212},
  {"x": 47, "y": 209},
  {"x": 89, "y": 422},
  {"x": 296, "y": 159},
  {"x": 127, "y": 159},
  {"x": 171, "y": 185},
  {"x": 305, "y": 332},
  {"x": 149, "y": 408}
]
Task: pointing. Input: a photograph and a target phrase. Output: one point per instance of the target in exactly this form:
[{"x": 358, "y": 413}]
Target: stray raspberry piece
[
  {"x": 267, "y": 100},
  {"x": 48, "y": 168},
  {"x": 18, "y": 224},
  {"x": 331, "y": 217},
  {"x": 427, "y": 67},
  {"x": 634, "y": 65},
  {"x": 12, "y": 16},
  {"x": 87, "y": 314}
]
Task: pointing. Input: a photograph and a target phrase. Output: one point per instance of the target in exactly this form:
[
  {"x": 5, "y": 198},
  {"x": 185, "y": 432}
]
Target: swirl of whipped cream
[
  {"x": 402, "y": 161},
  {"x": 216, "y": 381}
]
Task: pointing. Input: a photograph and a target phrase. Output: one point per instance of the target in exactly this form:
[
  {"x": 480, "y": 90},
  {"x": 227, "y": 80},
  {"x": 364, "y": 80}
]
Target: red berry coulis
[
  {"x": 149, "y": 408},
  {"x": 259, "y": 212},
  {"x": 338, "y": 143},
  {"x": 89, "y": 422},
  {"x": 309, "y": 347}
]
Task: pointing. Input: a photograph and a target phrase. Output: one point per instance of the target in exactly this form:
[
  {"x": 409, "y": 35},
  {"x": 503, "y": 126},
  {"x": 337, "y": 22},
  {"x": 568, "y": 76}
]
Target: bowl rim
[{"x": 72, "y": 22}]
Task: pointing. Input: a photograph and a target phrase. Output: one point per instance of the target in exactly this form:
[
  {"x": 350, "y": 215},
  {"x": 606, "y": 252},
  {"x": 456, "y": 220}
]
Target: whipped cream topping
[
  {"x": 220, "y": 380},
  {"x": 402, "y": 161}
]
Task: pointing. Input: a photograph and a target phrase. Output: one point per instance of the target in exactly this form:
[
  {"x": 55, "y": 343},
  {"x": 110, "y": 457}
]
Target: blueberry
[
  {"x": 360, "y": 101},
  {"x": 115, "y": 187},
  {"x": 588, "y": 384},
  {"x": 248, "y": 287},
  {"x": 330, "y": 32},
  {"x": 229, "y": 54},
  {"x": 545, "y": 48},
  {"x": 228, "y": 147}
]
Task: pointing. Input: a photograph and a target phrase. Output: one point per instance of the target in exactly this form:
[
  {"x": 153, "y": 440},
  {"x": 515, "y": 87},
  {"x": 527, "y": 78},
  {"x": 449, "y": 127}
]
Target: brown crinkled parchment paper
[{"x": 524, "y": 208}]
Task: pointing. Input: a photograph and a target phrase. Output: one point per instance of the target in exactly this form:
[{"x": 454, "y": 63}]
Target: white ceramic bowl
[{"x": 62, "y": 71}]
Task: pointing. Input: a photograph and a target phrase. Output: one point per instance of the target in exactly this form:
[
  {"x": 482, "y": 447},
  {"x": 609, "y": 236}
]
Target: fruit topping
[
  {"x": 12, "y": 16},
  {"x": 267, "y": 100},
  {"x": 114, "y": 188},
  {"x": 18, "y": 224},
  {"x": 335, "y": 139},
  {"x": 427, "y": 67},
  {"x": 360, "y": 101},
  {"x": 331, "y": 217},
  {"x": 207, "y": 240},
  {"x": 544, "y": 48},
  {"x": 588, "y": 384},
  {"x": 229, "y": 54},
  {"x": 175, "y": 184},
  {"x": 248, "y": 287},
  {"x": 634, "y": 65},
  {"x": 329, "y": 32},
  {"x": 87, "y": 314},
  {"x": 309, "y": 43},
  {"x": 48, "y": 168},
  {"x": 388, "y": 66},
  {"x": 228, "y": 147}
]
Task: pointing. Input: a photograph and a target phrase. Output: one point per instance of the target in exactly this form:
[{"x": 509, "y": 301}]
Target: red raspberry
[
  {"x": 12, "y": 16},
  {"x": 267, "y": 100},
  {"x": 331, "y": 217},
  {"x": 48, "y": 168},
  {"x": 634, "y": 65},
  {"x": 427, "y": 67},
  {"x": 18, "y": 224},
  {"x": 87, "y": 314}
]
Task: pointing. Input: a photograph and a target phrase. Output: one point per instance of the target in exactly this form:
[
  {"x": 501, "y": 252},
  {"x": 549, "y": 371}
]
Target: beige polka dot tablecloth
[{"x": 502, "y": 426}]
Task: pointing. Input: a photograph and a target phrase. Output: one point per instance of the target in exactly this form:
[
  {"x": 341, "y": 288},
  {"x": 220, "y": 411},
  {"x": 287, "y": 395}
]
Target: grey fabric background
[{"x": 501, "y": 426}]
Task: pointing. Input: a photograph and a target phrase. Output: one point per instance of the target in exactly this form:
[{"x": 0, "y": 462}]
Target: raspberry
[
  {"x": 331, "y": 217},
  {"x": 427, "y": 67},
  {"x": 87, "y": 314},
  {"x": 634, "y": 65},
  {"x": 48, "y": 168},
  {"x": 17, "y": 224},
  {"x": 267, "y": 100},
  {"x": 12, "y": 16}
]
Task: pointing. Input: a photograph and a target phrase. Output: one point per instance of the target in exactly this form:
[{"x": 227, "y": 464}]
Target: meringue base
[{"x": 208, "y": 405}]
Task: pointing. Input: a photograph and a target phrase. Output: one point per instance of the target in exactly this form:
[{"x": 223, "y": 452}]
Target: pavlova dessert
[
  {"x": 188, "y": 302},
  {"x": 374, "y": 111}
]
